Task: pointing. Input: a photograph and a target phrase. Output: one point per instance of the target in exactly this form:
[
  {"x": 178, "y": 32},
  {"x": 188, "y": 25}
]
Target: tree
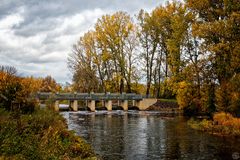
[
  {"x": 83, "y": 64},
  {"x": 9, "y": 86},
  {"x": 163, "y": 35},
  {"x": 218, "y": 26},
  {"x": 104, "y": 59},
  {"x": 188, "y": 50},
  {"x": 17, "y": 90},
  {"x": 49, "y": 85},
  {"x": 148, "y": 38},
  {"x": 114, "y": 34}
]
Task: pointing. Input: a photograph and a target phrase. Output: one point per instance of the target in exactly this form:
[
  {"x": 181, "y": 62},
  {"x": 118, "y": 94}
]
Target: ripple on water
[{"x": 147, "y": 135}]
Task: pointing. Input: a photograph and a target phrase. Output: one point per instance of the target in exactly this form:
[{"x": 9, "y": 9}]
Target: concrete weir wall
[
  {"x": 145, "y": 103},
  {"x": 140, "y": 104},
  {"x": 123, "y": 99}
]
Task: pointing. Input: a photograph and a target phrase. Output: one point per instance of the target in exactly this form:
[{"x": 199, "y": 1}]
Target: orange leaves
[
  {"x": 226, "y": 119},
  {"x": 221, "y": 118},
  {"x": 31, "y": 84},
  {"x": 49, "y": 85},
  {"x": 223, "y": 124}
]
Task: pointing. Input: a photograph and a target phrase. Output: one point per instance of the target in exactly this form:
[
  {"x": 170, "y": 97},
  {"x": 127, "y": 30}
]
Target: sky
[{"x": 36, "y": 36}]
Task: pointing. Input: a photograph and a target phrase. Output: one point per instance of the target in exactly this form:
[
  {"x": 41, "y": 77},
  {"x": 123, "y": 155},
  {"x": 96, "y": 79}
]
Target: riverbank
[
  {"x": 222, "y": 124},
  {"x": 40, "y": 135}
]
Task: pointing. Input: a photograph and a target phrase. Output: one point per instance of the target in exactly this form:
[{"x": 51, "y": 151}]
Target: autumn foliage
[
  {"x": 40, "y": 135},
  {"x": 223, "y": 124},
  {"x": 188, "y": 51},
  {"x": 19, "y": 92}
]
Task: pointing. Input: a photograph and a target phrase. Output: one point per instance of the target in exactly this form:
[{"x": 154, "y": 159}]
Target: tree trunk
[
  {"x": 148, "y": 89},
  {"x": 121, "y": 86}
]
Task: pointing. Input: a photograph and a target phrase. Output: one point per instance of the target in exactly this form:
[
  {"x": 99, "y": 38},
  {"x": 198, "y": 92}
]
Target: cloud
[{"x": 37, "y": 36}]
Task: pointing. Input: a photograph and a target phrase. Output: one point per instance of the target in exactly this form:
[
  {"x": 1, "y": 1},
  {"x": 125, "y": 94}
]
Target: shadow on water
[{"x": 147, "y": 135}]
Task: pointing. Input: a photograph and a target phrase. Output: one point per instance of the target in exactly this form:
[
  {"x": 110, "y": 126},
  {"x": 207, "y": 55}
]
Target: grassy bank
[
  {"x": 40, "y": 135},
  {"x": 223, "y": 124}
]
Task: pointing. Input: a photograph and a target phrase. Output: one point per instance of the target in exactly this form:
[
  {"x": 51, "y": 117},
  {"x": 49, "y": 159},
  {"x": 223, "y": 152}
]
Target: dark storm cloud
[{"x": 36, "y": 35}]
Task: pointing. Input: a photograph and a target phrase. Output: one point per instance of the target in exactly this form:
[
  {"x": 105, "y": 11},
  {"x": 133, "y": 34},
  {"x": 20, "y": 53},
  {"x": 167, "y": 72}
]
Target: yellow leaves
[
  {"x": 209, "y": 30},
  {"x": 87, "y": 42},
  {"x": 220, "y": 49},
  {"x": 130, "y": 26},
  {"x": 198, "y": 5},
  {"x": 49, "y": 85},
  {"x": 106, "y": 56},
  {"x": 31, "y": 84},
  {"x": 182, "y": 85},
  {"x": 170, "y": 24},
  {"x": 227, "y": 95},
  {"x": 113, "y": 28},
  {"x": 3, "y": 78},
  {"x": 184, "y": 96},
  {"x": 138, "y": 88}
]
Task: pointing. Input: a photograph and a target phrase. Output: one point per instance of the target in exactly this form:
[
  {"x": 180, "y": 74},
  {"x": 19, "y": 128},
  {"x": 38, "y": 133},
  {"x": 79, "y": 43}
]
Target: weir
[{"x": 91, "y": 98}]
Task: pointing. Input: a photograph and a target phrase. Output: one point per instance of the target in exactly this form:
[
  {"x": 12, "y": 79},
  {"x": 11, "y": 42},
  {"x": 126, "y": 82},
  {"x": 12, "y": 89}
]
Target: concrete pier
[
  {"x": 56, "y": 105},
  {"x": 108, "y": 105},
  {"x": 124, "y": 104},
  {"x": 74, "y": 105},
  {"x": 91, "y": 105},
  {"x": 133, "y": 103}
]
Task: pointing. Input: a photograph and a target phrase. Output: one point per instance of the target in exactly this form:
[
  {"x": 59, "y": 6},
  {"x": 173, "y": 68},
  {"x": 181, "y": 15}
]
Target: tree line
[
  {"x": 188, "y": 50},
  {"x": 18, "y": 91},
  {"x": 24, "y": 127}
]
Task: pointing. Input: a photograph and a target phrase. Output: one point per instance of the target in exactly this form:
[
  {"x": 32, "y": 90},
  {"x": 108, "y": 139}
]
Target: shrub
[
  {"x": 222, "y": 124},
  {"x": 222, "y": 117},
  {"x": 227, "y": 96},
  {"x": 40, "y": 135}
]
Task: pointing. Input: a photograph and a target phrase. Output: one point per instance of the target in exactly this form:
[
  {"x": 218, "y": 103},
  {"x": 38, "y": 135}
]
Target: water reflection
[{"x": 147, "y": 135}]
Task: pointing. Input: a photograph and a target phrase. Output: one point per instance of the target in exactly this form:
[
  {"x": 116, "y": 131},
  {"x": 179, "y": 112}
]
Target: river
[{"x": 148, "y": 135}]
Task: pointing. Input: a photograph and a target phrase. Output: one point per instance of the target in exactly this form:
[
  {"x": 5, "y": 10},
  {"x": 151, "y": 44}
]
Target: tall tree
[
  {"x": 218, "y": 26},
  {"x": 148, "y": 37},
  {"x": 81, "y": 62},
  {"x": 113, "y": 33},
  {"x": 49, "y": 85},
  {"x": 9, "y": 86}
]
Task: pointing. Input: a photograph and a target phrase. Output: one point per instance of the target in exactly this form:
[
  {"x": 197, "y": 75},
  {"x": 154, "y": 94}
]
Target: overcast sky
[{"x": 36, "y": 36}]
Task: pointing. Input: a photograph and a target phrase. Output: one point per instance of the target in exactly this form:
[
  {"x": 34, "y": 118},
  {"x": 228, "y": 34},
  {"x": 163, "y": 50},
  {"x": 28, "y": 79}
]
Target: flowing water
[{"x": 148, "y": 135}]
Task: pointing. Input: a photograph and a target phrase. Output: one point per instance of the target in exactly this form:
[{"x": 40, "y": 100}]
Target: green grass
[
  {"x": 168, "y": 100},
  {"x": 40, "y": 135}
]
